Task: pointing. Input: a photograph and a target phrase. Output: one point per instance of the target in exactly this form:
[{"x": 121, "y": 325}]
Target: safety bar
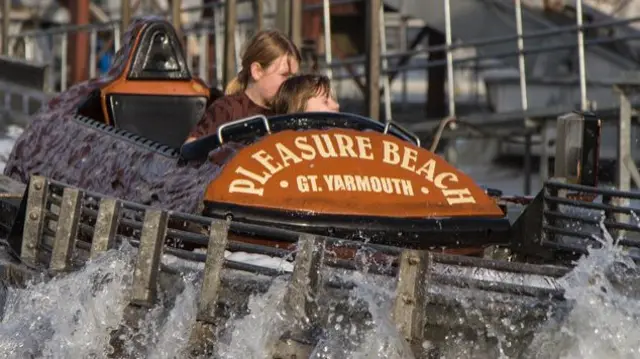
[{"x": 245, "y": 122}]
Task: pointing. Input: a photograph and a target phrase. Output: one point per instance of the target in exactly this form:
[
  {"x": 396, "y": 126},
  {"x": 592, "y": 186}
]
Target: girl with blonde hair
[{"x": 268, "y": 60}]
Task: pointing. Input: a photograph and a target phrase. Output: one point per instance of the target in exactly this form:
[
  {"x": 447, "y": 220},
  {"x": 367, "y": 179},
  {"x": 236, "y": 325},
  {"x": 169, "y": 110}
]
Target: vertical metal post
[
  {"x": 372, "y": 94},
  {"x": 527, "y": 163},
  {"x": 623, "y": 176},
  {"x": 326, "y": 20},
  {"x": 63, "y": 61},
  {"x": 93, "y": 49},
  {"x": 544, "y": 152},
  {"x": 521, "y": 63},
  {"x": 296, "y": 22},
  {"x": 77, "y": 44},
  {"x": 403, "y": 48},
  {"x": 6, "y": 22},
  {"x": 385, "y": 67},
  {"x": 116, "y": 38},
  {"x": 34, "y": 219},
  {"x": 203, "y": 69},
  {"x": 258, "y": 14},
  {"x": 219, "y": 38},
  {"x": 230, "y": 20},
  {"x": 581, "y": 64},
  {"x": 450, "y": 80}
]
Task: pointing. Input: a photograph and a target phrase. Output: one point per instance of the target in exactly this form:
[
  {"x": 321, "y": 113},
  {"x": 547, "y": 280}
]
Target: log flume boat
[{"x": 104, "y": 162}]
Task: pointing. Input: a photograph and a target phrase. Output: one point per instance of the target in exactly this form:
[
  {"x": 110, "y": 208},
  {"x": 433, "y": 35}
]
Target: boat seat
[{"x": 156, "y": 96}]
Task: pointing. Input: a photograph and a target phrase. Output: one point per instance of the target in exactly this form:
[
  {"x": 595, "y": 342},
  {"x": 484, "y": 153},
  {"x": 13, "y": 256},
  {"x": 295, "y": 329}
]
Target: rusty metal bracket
[{"x": 34, "y": 219}]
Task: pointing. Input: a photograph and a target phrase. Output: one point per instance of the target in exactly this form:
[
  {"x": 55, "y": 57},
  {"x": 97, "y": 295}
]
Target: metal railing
[{"x": 198, "y": 33}]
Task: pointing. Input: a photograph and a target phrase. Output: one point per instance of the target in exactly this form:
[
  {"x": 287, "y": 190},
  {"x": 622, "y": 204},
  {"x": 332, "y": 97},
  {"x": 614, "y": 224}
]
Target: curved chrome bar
[
  {"x": 245, "y": 120},
  {"x": 390, "y": 123}
]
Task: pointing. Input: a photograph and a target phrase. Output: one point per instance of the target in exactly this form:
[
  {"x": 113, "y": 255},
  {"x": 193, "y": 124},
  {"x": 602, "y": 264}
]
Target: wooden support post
[
  {"x": 283, "y": 12},
  {"x": 144, "y": 287},
  {"x": 34, "y": 219},
  {"x": 125, "y": 16},
  {"x": 411, "y": 297},
  {"x": 148, "y": 262},
  {"x": 296, "y": 23},
  {"x": 202, "y": 333},
  {"x": 258, "y": 14},
  {"x": 230, "y": 19},
  {"x": 106, "y": 226},
  {"x": 372, "y": 70},
  {"x": 175, "y": 19},
  {"x": 300, "y": 301},
  {"x": 67, "y": 229}
]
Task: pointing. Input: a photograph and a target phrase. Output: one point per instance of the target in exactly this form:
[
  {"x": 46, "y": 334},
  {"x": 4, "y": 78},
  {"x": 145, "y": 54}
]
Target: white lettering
[
  {"x": 303, "y": 184},
  {"x": 245, "y": 186},
  {"x": 439, "y": 178},
  {"x": 390, "y": 153},
  {"x": 307, "y": 148},
  {"x": 460, "y": 196}
]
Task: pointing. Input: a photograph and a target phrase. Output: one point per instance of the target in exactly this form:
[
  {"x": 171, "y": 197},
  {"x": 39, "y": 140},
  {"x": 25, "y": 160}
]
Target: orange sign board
[{"x": 348, "y": 172}]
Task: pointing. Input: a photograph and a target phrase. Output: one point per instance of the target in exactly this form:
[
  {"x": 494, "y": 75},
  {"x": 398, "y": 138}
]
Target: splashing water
[
  {"x": 73, "y": 316},
  {"x": 69, "y": 316},
  {"x": 604, "y": 319}
]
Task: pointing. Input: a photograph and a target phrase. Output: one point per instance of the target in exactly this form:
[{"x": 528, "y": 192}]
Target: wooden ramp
[{"x": 59, "y": 228}]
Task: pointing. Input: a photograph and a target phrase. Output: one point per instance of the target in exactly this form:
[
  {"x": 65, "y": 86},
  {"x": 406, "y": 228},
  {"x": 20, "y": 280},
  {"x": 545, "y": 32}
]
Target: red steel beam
[{"x": 78, "y": 46}]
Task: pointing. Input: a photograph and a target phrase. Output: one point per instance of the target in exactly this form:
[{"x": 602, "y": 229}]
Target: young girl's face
[
  {"x": 268, "y": 80},
  {"x": 322, "y": 103}
]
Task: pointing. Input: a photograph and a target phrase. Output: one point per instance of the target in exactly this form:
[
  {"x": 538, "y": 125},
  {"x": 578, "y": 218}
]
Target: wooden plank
[
  {"x": 145, "y": 275},
  {"x": 230, "y": 16},
  {"x": 300, "y": 301},
  {"x": 67, "y": 229},
  {"x": 106, "y": 226},
  {"x": 203, "y": 331},
  {"x": 411, "y": 296}
]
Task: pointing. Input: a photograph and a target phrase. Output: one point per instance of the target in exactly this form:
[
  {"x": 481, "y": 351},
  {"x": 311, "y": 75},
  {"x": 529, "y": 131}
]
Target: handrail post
[
  {"x": 581, "y": 60},
  {"x": 385, "y": 67},
  {"x": 449, "y": 55},
  {"x": 6, "y": 23},
  {"x": 326, "y": 19},
  {"x": 623, "y": 176},
  {"x": 372, "y": 69}
]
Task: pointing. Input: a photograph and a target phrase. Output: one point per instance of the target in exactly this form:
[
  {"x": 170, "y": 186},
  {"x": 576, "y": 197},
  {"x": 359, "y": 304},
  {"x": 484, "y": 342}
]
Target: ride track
[{"x": 78, "y": 169}]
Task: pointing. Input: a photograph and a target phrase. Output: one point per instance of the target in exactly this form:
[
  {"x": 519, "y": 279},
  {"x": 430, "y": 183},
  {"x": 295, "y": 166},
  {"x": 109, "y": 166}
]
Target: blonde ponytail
[
  {"x": 234, "y": 87},
  {"x": 237, "y": 84}
]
